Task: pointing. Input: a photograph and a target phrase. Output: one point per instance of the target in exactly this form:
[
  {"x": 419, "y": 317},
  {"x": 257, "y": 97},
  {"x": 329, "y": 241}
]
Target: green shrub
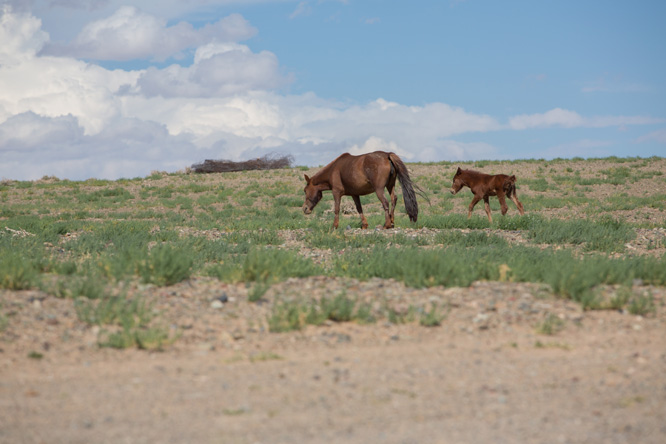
[
  {"x": 166, "y": 265},
  {"x": 550, "y": 325},
  {"x": 432, "y": 317},
  {"x": 131, "y": 318},
  {"x": 17, "y": 272},
  {"x": 287, "y": 316},
  {"x": 272, "y": 265}
]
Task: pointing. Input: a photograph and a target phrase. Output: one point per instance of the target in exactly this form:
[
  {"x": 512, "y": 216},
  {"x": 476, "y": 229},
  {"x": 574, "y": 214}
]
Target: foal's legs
[
  {"x": 471, "y": 205},
  {"x": 486, "y": 201},
  {"x": 502, "y": 201},
  {"x": 359, "y": 208},
  {"x": 519, "y": 205}
]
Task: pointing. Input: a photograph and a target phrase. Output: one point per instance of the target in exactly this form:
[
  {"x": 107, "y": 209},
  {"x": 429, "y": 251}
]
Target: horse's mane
[{"x": 474, "y": 173}]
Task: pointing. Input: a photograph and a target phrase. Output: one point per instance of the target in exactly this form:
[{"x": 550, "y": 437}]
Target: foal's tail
[
  {"x": 510, "y": 186},
  {"x": 407, "y": 187}
]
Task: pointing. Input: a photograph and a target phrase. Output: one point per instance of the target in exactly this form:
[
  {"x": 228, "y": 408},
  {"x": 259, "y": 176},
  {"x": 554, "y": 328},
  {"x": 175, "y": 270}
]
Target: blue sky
[{"x": 115, "y": 89}]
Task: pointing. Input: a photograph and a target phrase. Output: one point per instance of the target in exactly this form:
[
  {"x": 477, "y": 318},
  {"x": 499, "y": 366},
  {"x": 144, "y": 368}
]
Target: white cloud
[
  {"x": 65, "y": 117},
  {"x": 131, "y": 34},
  {"x": 658, "y": 136},
  {"x": 571, "y": 119},
  {"x": 303, "y": 8},
  {"x": 219, "y": 69},
  {"x": 21, "y": 36}
]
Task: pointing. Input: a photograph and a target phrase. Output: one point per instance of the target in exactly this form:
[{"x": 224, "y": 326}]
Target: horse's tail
[
  {"x": 407, "y": 187},
  {"x": 510, "y": 186}
]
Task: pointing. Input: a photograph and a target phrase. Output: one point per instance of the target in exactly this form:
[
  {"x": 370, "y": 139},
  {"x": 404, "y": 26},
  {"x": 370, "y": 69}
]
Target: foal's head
[
  {"x": 312, "y": 195},
  {"x": 458, "y": 182}
]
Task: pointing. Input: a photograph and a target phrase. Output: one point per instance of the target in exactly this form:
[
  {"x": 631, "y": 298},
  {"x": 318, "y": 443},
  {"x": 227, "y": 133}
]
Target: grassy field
[{"x": 588, "y": 224}]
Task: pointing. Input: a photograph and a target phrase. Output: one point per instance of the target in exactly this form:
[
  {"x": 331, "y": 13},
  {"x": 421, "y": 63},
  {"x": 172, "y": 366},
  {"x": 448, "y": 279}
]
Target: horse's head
[
  {"x": 457, "y": 182},
  {"x": 312, "y": 195}
]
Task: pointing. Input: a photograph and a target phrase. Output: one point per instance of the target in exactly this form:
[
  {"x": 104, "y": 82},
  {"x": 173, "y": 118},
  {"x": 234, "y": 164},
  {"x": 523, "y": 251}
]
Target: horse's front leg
[
  {"x": 359, "y": 208},
  {"x": 385, "y": 204},
  {"x": 486, "y": 202},
  {"x": 336, "y": 209},
  {"x": 472, "y": 205}
]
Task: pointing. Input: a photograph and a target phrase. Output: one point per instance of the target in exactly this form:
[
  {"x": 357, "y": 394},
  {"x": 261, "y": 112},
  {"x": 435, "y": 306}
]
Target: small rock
[{"x": 216, "y": 304}]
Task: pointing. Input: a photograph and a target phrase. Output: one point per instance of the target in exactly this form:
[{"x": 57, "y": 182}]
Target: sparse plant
[
  {"x": 166, "y": 265},
  {"x": 287, "y": 316},
  {"x": 432, "y": 317},
  {"x": 340, "y": 308},
  {"x": 642, "y": 305},
  {"x": 550, "y": 325}
]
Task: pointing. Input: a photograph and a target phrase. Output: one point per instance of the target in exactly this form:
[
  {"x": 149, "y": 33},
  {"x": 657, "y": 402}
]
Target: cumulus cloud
[
  {"x": 219, "y": 69},
  {"x": 73, "y": 119},
  {"x": 131, "y": 34},
  {"x": 21, "y": 36}
]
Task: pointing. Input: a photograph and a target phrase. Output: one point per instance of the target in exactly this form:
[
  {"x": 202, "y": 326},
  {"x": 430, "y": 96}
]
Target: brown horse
[
  {"x": 357, "y": 176},
  {"x": 485, "y": 185}
]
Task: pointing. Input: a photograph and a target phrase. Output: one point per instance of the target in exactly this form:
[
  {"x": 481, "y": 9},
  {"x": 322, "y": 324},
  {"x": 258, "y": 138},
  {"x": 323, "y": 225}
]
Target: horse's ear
[
  {"x": 307, "y": 178},
  {"x": 459, "y": 171}
]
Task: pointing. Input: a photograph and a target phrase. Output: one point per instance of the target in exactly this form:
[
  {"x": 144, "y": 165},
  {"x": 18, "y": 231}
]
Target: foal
[{"x": 485, "y": 185}]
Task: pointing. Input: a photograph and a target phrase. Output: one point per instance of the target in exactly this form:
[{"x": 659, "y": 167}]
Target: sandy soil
[{"x": 484, "y": 375}]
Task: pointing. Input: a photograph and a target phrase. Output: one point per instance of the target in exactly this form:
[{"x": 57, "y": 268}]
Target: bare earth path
[{"x": 484, "y": 376}]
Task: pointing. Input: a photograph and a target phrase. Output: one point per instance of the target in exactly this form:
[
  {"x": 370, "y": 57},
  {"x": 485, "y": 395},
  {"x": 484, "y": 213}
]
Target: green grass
[{"x": 85, "y": 240}]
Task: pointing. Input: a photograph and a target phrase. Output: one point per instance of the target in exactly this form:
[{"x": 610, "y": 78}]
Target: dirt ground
[{"x": 485, "y": 375}]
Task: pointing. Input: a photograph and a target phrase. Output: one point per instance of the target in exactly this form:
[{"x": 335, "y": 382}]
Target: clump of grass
[
  {"x": 397, "y": 316},
  {"x": 17, "y": 272},
  {"x": 294, "y": 315},
  {"x": 257, "y": 291},
  {"x": 340, "y": 308},
  {"x": 550, "y": 325},
  {"x": 89, "y": 286},
  {"x": 432, "y": 317},
  {"x": 642, "y": 305},
  {"x": 166, "y": 265},
  {"x": 131, "y": 318},
  {"x": 287, "y": 316},
  {"x": 606, "y": 235},
  {"x": 273, "y": 265}
]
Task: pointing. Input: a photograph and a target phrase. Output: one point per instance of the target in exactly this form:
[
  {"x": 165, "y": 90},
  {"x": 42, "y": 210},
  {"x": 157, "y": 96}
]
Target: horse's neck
[{"x": 323, "y": 178}]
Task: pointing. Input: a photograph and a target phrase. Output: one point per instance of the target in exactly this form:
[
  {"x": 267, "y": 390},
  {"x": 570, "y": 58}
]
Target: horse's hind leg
[
  {"x": 519, "y": 205},
  {"x": 394, "y": 200},
  {"x": 486, "y": 202},
  {"x": 385, "y": 204},
  {"x": 503, "y": 205},
  {"x": 359, "y": 208}
]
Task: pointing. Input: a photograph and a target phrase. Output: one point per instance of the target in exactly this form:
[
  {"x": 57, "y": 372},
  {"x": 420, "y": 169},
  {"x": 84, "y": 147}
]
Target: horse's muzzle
[{"x": 307, "y": 210}]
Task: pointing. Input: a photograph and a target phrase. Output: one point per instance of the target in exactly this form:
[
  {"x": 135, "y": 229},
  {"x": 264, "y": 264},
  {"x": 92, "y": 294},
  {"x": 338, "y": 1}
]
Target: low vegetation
[{"x": 87, "y": 241}]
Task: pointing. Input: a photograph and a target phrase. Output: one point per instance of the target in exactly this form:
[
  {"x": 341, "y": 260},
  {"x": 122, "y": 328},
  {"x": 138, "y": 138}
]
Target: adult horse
[{"x": 357, "y": 176}]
